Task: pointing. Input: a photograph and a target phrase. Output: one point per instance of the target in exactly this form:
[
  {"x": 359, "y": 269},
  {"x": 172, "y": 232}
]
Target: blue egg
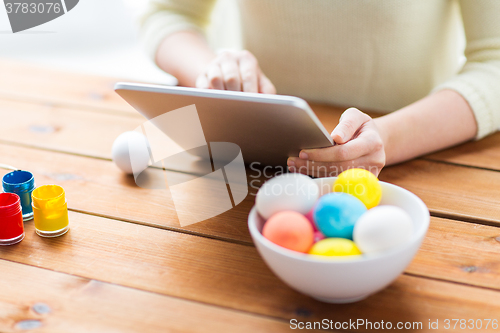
[{"x": 335, "y": 214}]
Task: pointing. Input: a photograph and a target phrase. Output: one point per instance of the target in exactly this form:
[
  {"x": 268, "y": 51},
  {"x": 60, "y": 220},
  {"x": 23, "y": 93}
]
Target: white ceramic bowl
[{"x": 344, "y": 280}]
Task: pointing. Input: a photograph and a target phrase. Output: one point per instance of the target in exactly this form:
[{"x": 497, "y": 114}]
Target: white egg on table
[
  {"x": 382, "y": 228},
  {"x": 130, "y": 152},
  {"x": 287, "y": 192}
]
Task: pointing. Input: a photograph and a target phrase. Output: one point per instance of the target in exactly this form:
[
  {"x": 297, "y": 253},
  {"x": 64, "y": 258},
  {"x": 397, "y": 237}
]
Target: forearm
[
  {"x": 438, "y": 121},
  {"x": 185, "y": 55}
]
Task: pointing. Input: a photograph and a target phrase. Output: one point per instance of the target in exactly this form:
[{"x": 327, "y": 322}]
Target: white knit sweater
[{"x": 371, "y": 54}]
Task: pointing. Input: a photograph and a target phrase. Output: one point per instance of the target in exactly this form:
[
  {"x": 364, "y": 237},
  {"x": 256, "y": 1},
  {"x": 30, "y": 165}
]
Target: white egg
[
  {"x": 382, "y": 228},
  {"x": 130, "y": 152},
  {"x": 291, "y": 191}
]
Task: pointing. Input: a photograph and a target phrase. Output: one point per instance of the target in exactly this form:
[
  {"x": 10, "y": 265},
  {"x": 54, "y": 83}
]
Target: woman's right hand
[{"x": 236, "y": 71}]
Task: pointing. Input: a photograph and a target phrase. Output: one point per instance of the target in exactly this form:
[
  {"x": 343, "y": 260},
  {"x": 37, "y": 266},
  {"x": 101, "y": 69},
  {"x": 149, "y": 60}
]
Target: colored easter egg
[
  {"x": 335, "y": 247},
  {"x": 130, "y": 152},
  {"x": 309, "y": 216},
  {"x": 318, "y": 236},
  {"x": 335, "y": 214},
  {"x": 287, "y": 192},
  {"x": 382, "y": 228},
  {"x": 360, "y": 183},
  {"x": 290, "y": 230}
]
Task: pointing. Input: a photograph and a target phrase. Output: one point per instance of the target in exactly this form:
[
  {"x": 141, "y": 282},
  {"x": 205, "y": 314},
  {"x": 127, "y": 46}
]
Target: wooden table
[{"x": 129, "y": 267}]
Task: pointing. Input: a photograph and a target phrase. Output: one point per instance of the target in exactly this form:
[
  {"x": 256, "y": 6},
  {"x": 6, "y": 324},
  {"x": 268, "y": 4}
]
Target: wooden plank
[
  {"x": 99, "y": 187},
  {"x": 36, "y": 84},
  {"x": 461, "y": 252},
  {"x": 449, "y": 190},
  {"x": 484, "y": 153},
  {"x": 234, "y": 276},
  {"x": 56, "y": 302},
  {"x": 69, "y": 130}
]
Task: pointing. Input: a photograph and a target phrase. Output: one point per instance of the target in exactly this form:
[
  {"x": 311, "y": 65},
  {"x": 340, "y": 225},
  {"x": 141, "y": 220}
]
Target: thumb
[{"x": 350, "y": 121}]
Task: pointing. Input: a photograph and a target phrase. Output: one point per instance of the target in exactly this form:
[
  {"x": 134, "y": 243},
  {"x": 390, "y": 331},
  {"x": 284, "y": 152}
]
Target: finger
[
  {"x": 202, "y": 82},
  {"x": 214, "y": 75},
  {"x": 248, "y": 72},
  {"x": 352, "y": 150},
  {"x": 332, "y": 169},
  {"x": 350, "y": 121},
  {"x": 265, "y": 85},
  {"x": 231, "y": 74},
  {"x": 336, "y": 171}
]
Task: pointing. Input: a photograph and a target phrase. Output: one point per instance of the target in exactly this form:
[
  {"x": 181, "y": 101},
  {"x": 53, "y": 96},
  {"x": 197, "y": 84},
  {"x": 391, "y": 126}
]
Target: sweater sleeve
[
  {"x": 164, "y": 17},
  {"x": 479, "y": 80}
]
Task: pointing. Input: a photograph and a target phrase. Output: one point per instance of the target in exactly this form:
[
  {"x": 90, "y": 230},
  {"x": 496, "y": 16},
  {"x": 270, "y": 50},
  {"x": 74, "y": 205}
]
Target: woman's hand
[
  {"x": 236, "y": 71},
  {"x": 358, "y": 144}
]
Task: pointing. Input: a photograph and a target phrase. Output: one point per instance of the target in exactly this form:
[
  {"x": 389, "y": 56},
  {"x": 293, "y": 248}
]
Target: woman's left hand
[{"x": 358, "y": 144}]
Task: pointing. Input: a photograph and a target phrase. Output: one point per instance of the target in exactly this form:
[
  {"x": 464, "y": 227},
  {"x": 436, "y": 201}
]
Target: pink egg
[
  {"x": 318, "y": 236},
  {"x": 309, "y": 216}
]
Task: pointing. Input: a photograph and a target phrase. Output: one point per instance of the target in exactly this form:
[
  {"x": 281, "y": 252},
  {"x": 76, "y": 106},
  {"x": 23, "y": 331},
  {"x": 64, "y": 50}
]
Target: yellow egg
[
  {"x": 360, "y": 183},
  {"x": 335, "y": 247}
]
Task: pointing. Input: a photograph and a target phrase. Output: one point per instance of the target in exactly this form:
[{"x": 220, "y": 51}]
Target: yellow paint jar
[{"x": 50, "y": 211}]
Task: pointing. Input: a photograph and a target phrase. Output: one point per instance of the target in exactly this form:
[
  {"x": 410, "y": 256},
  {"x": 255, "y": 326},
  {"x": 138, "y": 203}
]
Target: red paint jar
[{"x": 11, "y": 219}]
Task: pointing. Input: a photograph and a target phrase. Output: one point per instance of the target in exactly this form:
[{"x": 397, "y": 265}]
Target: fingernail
[
  {"x": 290, "y": 162},
  {"x": 303, "y": 155},
  {"x": 337, "y": 136},
  {"x": 291, "y": 168}
]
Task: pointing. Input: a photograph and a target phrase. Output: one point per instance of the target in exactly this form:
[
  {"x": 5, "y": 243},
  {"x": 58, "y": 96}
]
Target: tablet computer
[{"x": 267, "y": 128}]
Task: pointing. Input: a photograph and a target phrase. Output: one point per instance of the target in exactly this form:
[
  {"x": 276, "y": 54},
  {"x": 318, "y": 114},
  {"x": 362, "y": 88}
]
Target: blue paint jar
[{"x": 21, "y": 183}]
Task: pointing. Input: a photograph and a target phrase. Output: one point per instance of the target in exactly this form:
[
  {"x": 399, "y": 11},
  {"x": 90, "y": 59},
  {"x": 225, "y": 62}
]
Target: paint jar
[
  {"x": 50, "y": 211},
  {"x": 11, "y": 219},
  {"x": 21, "y": 183}
]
